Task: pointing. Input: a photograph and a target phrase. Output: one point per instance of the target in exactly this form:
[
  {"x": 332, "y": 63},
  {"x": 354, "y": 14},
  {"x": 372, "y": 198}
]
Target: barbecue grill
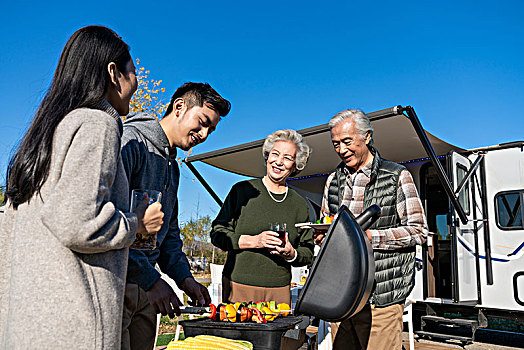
[{"x": 339, "y": 285}]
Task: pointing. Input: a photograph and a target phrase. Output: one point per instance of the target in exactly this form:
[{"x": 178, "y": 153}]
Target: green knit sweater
[{"x": 248, "y": 210}]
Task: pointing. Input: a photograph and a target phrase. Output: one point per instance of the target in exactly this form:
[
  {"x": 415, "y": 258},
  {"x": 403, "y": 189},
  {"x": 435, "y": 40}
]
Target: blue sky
[{"x": 290, "y": 64}]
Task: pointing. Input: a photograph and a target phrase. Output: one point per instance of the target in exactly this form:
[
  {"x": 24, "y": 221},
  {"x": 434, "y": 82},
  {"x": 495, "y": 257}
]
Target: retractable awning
[
  {"x": 398, "y": 136},
  {"x": 394, "y": 137}
]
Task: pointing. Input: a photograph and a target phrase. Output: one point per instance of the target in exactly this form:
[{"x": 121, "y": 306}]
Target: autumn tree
[
  {"x": 148, "y": 97},
  {"x": 197, "y": 242},
  {"x": 195, "y": 233}
]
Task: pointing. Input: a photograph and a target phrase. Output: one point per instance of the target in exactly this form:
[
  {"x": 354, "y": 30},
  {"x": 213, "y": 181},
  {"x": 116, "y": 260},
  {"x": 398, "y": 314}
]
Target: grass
[
  {"x": 167, "y": 327},
  {"x": 164, "y": 339}
]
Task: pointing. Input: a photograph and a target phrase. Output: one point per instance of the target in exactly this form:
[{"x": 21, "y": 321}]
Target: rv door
[{"x": 465, "y": 242}]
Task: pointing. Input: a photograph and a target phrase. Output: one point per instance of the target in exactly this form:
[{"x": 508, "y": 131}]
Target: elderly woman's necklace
[{"x": 271, "y": 195}]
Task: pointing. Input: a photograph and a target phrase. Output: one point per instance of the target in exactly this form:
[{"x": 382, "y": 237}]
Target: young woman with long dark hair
[{"x": 65, "y": 235}]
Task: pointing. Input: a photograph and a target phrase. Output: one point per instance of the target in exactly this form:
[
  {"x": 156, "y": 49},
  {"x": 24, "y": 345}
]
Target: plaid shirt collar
[{"x": 366, "y": 170}]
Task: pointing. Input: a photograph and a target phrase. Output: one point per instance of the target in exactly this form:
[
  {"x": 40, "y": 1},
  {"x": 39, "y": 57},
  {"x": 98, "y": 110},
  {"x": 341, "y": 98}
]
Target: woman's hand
[
  {"x": 266, "y": 239},
  {"x": 287, "y": 251},
  {"x": 150, "y": 217}
]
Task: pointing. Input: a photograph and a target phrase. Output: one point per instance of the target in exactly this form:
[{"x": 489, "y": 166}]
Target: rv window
[
  {"x": 464, "y": 194},
  {"x": 509, "y": 210}
]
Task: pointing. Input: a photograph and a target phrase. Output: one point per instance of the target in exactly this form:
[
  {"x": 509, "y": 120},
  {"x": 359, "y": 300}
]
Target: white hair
[
  {"x": 362, "y": 123},
  {"x": 303, "y": 150}
]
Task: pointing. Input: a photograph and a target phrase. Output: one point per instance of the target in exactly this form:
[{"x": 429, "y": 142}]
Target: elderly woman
[{"x": 258, "y": 265}]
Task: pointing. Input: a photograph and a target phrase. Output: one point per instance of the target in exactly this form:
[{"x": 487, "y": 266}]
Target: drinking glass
[
  {"x": 144, "y": 241},
  {"x": 279, "y": 228}
]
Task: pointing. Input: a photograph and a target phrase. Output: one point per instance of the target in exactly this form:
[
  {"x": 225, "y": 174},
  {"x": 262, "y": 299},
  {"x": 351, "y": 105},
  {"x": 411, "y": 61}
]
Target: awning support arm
[
  {"x": 412, "y": 116},
  {"x": 203, "y": 182},
  {"x": 487, "y": 239},
  {"x": 470, "y": 172}
]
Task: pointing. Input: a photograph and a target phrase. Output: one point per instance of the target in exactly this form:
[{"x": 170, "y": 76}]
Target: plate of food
[{"x": 320, "y": 224}]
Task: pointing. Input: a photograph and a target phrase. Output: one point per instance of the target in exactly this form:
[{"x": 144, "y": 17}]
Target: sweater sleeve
[
  {"x": 223, "y": 233},
  {"x": 78, "y": 211}
]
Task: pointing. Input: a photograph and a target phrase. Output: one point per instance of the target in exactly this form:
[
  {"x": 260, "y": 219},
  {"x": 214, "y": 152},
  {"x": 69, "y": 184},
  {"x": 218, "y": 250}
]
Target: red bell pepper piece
[
  {"x": 259, "y": 318},
  {"x": 213, "y": 312}
]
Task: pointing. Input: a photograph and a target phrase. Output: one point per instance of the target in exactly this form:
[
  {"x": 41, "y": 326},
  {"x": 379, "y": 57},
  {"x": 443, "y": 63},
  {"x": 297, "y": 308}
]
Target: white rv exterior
[
  {"x": 505, "y": 181},
  {"x": 487, "y": 257}
]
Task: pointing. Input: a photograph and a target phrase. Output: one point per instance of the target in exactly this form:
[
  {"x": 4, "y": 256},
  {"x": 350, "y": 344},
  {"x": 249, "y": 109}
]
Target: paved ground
[
  {"x": 203, "y": 279},
  {"x": 430, "y": 345}
]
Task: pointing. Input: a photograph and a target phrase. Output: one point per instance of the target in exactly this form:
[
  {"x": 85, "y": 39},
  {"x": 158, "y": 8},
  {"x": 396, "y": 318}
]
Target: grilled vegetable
[
  {"x": 260, "y": 304},
  {"x": 261, "y": 312},
  {"x": 212, "y": 312},
  {"x": 268, "y": 314},
  {"x": 328, "y": 219},
  {"x": 257, "y": 316},
  {"x": 273, "y": 305},
  {"x": 221, "y": 311},
  {"x": 246, "y": 314},
  {"x": 236, "y": 344},
  {"x": 231, "y": 312},
  {"x": 283, "y": 309},
  {"x": 210, "y": 342}
]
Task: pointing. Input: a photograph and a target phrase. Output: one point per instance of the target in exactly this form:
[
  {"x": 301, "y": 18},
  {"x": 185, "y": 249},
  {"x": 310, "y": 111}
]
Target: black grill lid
[{"x": 342, "y": 276}]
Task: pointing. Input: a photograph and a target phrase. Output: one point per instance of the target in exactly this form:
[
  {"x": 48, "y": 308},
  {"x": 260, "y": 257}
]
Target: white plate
[{"x": 313, "y": 226}]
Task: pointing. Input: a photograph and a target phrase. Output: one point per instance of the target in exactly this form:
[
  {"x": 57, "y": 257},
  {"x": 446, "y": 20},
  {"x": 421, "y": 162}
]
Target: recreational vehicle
[{"x": 472, "y": 265}]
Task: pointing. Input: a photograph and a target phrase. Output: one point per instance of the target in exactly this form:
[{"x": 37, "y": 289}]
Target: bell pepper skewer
[
  {"x": 212, "y": 312},
  {"x": 257, "y": 316}
]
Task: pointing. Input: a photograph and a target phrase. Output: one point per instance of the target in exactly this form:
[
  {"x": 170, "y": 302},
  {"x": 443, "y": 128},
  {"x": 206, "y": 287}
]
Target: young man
[
  {"x": 149, "y": 158},
  {"x": 362, "y": 179}
]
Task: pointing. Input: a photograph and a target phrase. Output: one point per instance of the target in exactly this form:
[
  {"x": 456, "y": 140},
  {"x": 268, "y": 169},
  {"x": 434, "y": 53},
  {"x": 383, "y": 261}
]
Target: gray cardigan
[{"x": 63, "y": 255}]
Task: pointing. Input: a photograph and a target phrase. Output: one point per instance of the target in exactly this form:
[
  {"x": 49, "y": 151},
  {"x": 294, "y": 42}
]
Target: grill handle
[{"x": 368, "y": 217}]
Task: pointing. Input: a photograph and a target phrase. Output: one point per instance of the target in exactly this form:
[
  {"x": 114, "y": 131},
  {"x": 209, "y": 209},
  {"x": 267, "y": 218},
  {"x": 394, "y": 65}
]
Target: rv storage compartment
[
  {"x": 262, "y": 335},
  {"x": 341, "y": 279}
]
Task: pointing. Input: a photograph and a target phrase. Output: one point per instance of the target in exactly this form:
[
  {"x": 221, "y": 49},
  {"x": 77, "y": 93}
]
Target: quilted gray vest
[{"x": 394, "y": 269}]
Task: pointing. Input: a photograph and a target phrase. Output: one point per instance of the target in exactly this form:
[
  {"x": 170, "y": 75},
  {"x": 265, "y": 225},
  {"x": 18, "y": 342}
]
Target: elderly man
[{"x": 361, "y": 180}]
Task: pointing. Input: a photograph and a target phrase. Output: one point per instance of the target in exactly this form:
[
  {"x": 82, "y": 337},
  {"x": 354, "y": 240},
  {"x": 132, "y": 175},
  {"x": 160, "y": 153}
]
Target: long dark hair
[{"x": 81, "y": 80}]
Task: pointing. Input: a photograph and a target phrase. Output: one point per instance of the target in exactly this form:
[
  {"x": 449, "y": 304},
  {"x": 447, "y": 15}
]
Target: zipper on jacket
[{"x": 168, "y": 170}]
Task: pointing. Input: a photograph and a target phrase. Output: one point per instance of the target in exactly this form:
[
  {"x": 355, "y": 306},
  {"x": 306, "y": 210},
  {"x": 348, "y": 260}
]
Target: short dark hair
[{"x": 196, "y": 94}]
